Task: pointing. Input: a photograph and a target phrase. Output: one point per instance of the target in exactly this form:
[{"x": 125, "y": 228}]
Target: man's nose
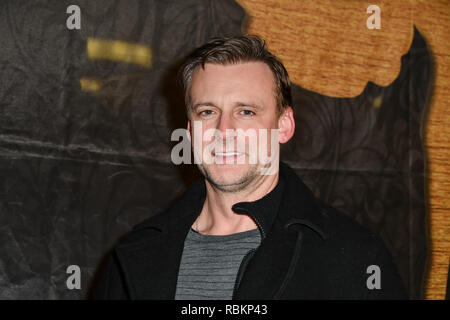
[{"x": 226, "y": 126}]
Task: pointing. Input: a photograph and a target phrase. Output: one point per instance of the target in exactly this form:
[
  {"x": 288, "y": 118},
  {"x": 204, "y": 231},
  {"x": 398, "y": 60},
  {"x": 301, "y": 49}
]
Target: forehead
[{"x": 248, "y": 79}]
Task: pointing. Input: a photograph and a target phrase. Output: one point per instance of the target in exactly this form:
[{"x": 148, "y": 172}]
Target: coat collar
[
  {"x": 150, "y": 255},
  {"x": 298, "y": 203}
]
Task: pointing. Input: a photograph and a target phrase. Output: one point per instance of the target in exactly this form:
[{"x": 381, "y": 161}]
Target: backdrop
[{"x": 86, "y": 119}]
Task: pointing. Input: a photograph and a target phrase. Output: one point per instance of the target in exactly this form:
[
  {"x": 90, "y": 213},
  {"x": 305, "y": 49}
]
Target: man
[{"x": 251, "y": 229}]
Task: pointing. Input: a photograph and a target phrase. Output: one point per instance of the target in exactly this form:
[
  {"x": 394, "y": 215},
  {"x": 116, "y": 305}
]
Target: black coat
[{"x": 308, "y": 251}]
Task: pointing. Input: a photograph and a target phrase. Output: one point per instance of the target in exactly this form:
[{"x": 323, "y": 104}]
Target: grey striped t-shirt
[{"x": 210, "y": 263}]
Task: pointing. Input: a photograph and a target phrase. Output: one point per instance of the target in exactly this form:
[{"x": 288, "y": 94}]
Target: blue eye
[
  {"x": 205, "y": 113},
  {"x": 247, "y": 112}
]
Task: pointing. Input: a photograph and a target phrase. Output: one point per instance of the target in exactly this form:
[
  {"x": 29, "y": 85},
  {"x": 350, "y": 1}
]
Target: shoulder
[
  {"x": 145, "y": 230},
  {"x": 348, "y": 245},
  {"x": 343, "y": 227},
  {"x": 355, "y": 252},
  {"x": 352, "y": 239},
  {"x": 165, "y": 221}
]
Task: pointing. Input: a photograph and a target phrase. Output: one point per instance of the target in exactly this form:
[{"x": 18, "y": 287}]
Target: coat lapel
[
  {"x": 269, "y": 266},
  {"x": 274, "y": 263},
  {"x": 150, "y": 256}
]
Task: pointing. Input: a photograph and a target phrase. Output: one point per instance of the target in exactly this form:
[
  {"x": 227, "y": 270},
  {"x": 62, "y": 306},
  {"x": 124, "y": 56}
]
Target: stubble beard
[{"x": 238, "y": 184}]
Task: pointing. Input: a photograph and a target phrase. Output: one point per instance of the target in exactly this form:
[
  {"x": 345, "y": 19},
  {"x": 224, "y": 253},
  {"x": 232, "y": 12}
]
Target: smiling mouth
[
  {"x": 227, "y": 154},
  {"x": 231, "y": 157}
]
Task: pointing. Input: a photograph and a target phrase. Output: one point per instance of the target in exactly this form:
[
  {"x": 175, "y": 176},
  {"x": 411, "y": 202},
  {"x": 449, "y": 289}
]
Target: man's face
[{"x": 225, "y": 98}]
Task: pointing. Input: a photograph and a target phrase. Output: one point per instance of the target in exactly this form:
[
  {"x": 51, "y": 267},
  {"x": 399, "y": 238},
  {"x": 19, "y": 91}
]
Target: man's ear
[
  {"x": 189, "y": 129},
  {"x": 286, "y": 125}
]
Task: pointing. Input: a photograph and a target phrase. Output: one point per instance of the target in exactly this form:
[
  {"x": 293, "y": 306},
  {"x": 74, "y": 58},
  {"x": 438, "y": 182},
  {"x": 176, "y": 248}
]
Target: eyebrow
[
  {"x": 236, "y": 104},
  {"x": 203, "y": 104},
  {"x": 249, "y": 104}
]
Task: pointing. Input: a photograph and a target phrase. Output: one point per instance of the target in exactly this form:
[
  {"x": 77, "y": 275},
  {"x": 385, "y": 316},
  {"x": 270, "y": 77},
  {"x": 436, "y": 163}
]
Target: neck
[{"x": 217, "y": 217}]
